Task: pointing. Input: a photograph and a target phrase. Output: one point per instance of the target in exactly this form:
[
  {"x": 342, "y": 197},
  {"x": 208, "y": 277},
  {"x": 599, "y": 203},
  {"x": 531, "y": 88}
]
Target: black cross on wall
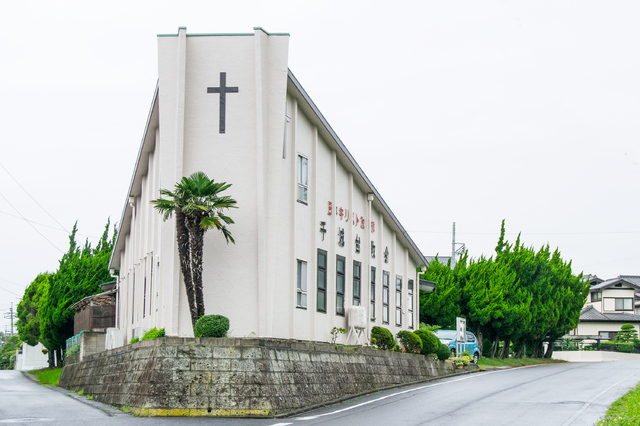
[{"x": 222, "y": 90}]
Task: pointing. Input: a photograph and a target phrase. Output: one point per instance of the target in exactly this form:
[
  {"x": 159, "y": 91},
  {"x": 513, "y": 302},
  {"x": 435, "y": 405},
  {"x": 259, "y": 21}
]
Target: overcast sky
[{"x": 468, "y": 112}]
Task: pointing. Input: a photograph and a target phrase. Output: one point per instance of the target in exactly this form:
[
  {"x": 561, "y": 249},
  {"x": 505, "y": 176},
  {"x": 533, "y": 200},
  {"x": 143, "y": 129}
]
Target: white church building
[{"x": 313, "y": 237}]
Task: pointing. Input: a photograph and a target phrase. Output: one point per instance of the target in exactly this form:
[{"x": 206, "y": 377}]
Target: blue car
[{"x": 449, "y": 338}]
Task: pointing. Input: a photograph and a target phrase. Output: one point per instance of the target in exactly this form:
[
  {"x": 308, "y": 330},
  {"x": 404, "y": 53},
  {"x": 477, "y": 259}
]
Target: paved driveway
[{"x": 594, "y": 356}]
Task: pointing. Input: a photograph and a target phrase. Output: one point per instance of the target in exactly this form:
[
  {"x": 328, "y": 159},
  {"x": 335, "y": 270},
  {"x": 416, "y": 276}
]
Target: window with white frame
[
  {"x": 624, "y": 304},
  {"x": 321, "y": 295},
  {"x": 385, "y": 297},
  {"x": 302, "y": 285},
  {"x": 340, "y": 272},
  {"x": 303, "y": 179},
  {"x": 356, "y": 283},
  {"x": 398, "y": 300}
]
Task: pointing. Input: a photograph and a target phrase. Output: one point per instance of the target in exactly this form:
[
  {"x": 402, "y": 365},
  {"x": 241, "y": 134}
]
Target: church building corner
[{"x": 315, "y": 243}]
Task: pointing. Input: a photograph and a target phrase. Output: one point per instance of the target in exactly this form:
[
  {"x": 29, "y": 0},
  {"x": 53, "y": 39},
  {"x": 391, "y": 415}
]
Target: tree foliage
[
  {"x": 520, "y": 296},
  {"x": 28, "y": 311},
  {"x": 626, "y": 334},
  {"x": 198, "y": 207},
  {"x": 8, "y": 352},
  {"x": 80, "y": 273}
]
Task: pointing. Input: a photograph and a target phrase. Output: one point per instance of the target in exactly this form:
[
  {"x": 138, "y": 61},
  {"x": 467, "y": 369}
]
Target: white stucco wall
[{"x": 253, "y": 282}]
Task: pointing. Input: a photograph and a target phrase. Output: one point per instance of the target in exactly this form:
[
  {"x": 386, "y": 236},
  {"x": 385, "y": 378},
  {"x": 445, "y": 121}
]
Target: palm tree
[{"x": 198, "y": 207}]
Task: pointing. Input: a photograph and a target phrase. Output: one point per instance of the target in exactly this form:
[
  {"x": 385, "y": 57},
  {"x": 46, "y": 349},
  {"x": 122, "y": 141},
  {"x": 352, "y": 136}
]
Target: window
[
  {"x": 596, "y": 296},
  {"x": 340, "y": 285},
  {"x": 356, "y": 283},
  {"x": 624, "y": 304},
  {"x": 302, "y": 285},
  {"x": 385, "y": 297},
  {"x": 303, "y": 179},
  {"x": 410, "y": 290},
  {"x": 372, "y": 314},
  {"x": 322, "y": 282},
  {"x": 470, "y": 338},
  {"x": 398, "y": 300}
]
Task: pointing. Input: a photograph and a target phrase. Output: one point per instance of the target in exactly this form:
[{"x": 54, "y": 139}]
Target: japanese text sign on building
[{"x": 348, "y": 216}]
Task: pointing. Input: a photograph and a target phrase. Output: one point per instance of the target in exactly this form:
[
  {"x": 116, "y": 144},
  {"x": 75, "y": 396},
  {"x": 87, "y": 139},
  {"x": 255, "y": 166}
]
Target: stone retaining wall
[{"x": 240, "y": 377}]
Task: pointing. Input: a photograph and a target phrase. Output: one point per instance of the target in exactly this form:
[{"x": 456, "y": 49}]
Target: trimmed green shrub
[
  {"x": 212, "y": 326},
  {"x": 154, "y": 333},
  {"x": 607, "y": 346},
  {"x": 636, "y": 344},
  {"x": 411, "y": 342},
  {"x": 430, "y": 343},
  {"x": 134, "y": 340},
  {"x": 625, "y": 347},
  {"x": 443, "y": 352},
  {"x": 626, "y": 334},
  {"x": 382, "y": 338}
]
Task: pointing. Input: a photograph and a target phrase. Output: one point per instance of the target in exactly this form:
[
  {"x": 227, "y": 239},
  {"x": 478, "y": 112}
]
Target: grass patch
[
  {"x": 48, "y": 376},
  {"x": 625, "y": 411},
  {"x": 125, "y": 408},
  {"x": 513, "y": 362}
]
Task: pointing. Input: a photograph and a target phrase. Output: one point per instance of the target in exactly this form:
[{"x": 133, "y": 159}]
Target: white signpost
[{"x": 461, "y": 335}]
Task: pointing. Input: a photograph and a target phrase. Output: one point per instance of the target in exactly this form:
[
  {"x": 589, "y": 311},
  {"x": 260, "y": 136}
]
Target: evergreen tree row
[
  {"x": 520, "y": 297},
  {"x": 44, "y": 313}
]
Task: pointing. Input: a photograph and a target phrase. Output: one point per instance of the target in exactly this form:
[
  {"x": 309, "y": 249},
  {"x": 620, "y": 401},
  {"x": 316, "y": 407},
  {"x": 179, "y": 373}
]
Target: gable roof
[
  {"x": 629, "y": 280},
  {"x": 309, "y": 107},
  {"x": 591, "y": 314},
  {"x": 314, "y": 114}
]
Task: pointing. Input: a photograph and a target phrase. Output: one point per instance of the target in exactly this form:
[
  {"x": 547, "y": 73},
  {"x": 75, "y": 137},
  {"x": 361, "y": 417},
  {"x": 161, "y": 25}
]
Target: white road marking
[
  {"x": 399, "y": 393},
  {"x": 588, "y": 403}
]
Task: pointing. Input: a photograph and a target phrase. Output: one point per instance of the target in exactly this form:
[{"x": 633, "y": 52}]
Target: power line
[
  {"x": 30, "y": 224},
  {"x": 36, "y": 201},
  {"x": 47, "y": 226},
  {"x": 9, "y": 291}
]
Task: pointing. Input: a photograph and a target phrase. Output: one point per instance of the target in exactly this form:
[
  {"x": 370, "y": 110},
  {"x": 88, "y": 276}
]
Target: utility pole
[
  {"x": 9, "y": 315},
  {"x": 455, "y": 251}
]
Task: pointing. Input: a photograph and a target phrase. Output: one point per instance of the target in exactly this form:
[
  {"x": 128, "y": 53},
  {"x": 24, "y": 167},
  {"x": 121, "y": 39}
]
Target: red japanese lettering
[
  {"x": 373, "y": 227},
  {"x": 330, "y": 209}
]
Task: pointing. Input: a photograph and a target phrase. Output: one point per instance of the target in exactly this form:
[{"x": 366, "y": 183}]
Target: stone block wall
[
  {"x": 240, "y": 377},
  {"x": 91, "y": 343}
]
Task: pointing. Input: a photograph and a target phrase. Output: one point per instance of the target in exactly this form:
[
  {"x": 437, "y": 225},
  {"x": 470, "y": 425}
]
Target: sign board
[{"x": 461, "y": 327}]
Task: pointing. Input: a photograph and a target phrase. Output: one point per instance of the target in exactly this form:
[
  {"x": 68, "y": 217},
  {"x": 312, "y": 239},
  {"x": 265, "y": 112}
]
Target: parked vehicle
[{"x": 449, "y": 338}]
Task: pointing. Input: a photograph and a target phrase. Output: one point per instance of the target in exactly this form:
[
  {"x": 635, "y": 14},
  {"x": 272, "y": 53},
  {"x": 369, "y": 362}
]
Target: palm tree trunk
[
  {"x": 196, "y": 236},
  {"x": 184, "y": 254}
]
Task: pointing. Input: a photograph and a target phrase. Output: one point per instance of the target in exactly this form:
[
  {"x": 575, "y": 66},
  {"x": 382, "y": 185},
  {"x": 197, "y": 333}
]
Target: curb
[{"x": 110, "y": 410}]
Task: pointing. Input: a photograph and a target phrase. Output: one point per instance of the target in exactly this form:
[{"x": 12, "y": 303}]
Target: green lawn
[
  {"x": 48, "y": 376},
  {"x": 625, "y": 411},
  {"x": 513, "y": 362}
]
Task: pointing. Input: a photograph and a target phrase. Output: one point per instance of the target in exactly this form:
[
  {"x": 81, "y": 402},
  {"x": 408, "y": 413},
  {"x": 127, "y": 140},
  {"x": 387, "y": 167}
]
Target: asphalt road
[{"x": 558, "y": 394}]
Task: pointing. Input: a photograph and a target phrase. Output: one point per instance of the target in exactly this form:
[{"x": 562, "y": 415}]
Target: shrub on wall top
[
  {"x": 382, "y": 338},
  {"x": 430, "y": 343},
  {"x": 411, "y": 342},
  {"x": 154, "y": 333},
  {"x": 212, "y": 326},
  {"x": 443, "y": 352}
]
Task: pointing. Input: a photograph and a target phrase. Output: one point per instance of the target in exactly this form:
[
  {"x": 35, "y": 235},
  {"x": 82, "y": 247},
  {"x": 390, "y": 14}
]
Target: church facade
[{"x": 313, "y": 236}]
